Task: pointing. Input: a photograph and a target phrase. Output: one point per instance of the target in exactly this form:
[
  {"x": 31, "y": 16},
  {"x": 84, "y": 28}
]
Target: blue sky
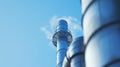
[{"x": 23, "y": 39}]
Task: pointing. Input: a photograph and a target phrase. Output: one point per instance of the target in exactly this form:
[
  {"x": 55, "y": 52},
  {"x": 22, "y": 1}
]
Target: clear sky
[{"x": 23, "y": 33}]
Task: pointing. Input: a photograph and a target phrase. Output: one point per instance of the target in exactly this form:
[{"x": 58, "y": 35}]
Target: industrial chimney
[{"x": 61, "y": 39}]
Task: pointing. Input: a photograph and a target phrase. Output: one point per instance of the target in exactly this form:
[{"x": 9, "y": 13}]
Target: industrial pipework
[
  {"x": 101, "y": 26},
  {"x": 62, "y": 39}
]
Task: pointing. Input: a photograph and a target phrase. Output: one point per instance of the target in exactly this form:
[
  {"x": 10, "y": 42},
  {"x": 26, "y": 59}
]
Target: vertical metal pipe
[
  {"x": 61, "y": 50},
  {"x": 101, "y": 26},
  {"x": 61, "y": 39}
]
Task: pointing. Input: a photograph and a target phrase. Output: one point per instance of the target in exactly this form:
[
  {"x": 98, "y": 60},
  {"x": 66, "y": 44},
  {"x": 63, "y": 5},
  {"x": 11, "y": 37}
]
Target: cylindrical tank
[
  {"x": 101, "y": 26},
  {"x": 62, "y": 39},
  {"x": 75, "y": 54}
]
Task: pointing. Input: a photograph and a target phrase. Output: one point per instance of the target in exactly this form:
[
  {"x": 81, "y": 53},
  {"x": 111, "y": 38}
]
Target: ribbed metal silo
[
  {"x": 62, "y": 39},
  {"x": 101, "y": 26},
  {"x": 75, "y": 54}
]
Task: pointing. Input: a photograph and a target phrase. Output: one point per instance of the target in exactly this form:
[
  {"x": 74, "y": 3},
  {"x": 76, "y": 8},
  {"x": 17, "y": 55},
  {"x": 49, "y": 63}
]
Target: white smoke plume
[{"x": 73, "y": 24}]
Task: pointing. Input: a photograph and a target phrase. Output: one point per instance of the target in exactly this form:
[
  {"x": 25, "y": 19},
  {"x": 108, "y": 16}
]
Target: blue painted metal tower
[
  {"x": 101, "y": 26},
  {"x": 62, "y": 39}
]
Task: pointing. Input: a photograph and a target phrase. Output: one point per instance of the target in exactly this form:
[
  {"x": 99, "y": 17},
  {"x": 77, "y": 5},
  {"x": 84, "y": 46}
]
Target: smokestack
[
  {"x": 62, "y": 39},
  {"x": 101, "y": 26}
]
